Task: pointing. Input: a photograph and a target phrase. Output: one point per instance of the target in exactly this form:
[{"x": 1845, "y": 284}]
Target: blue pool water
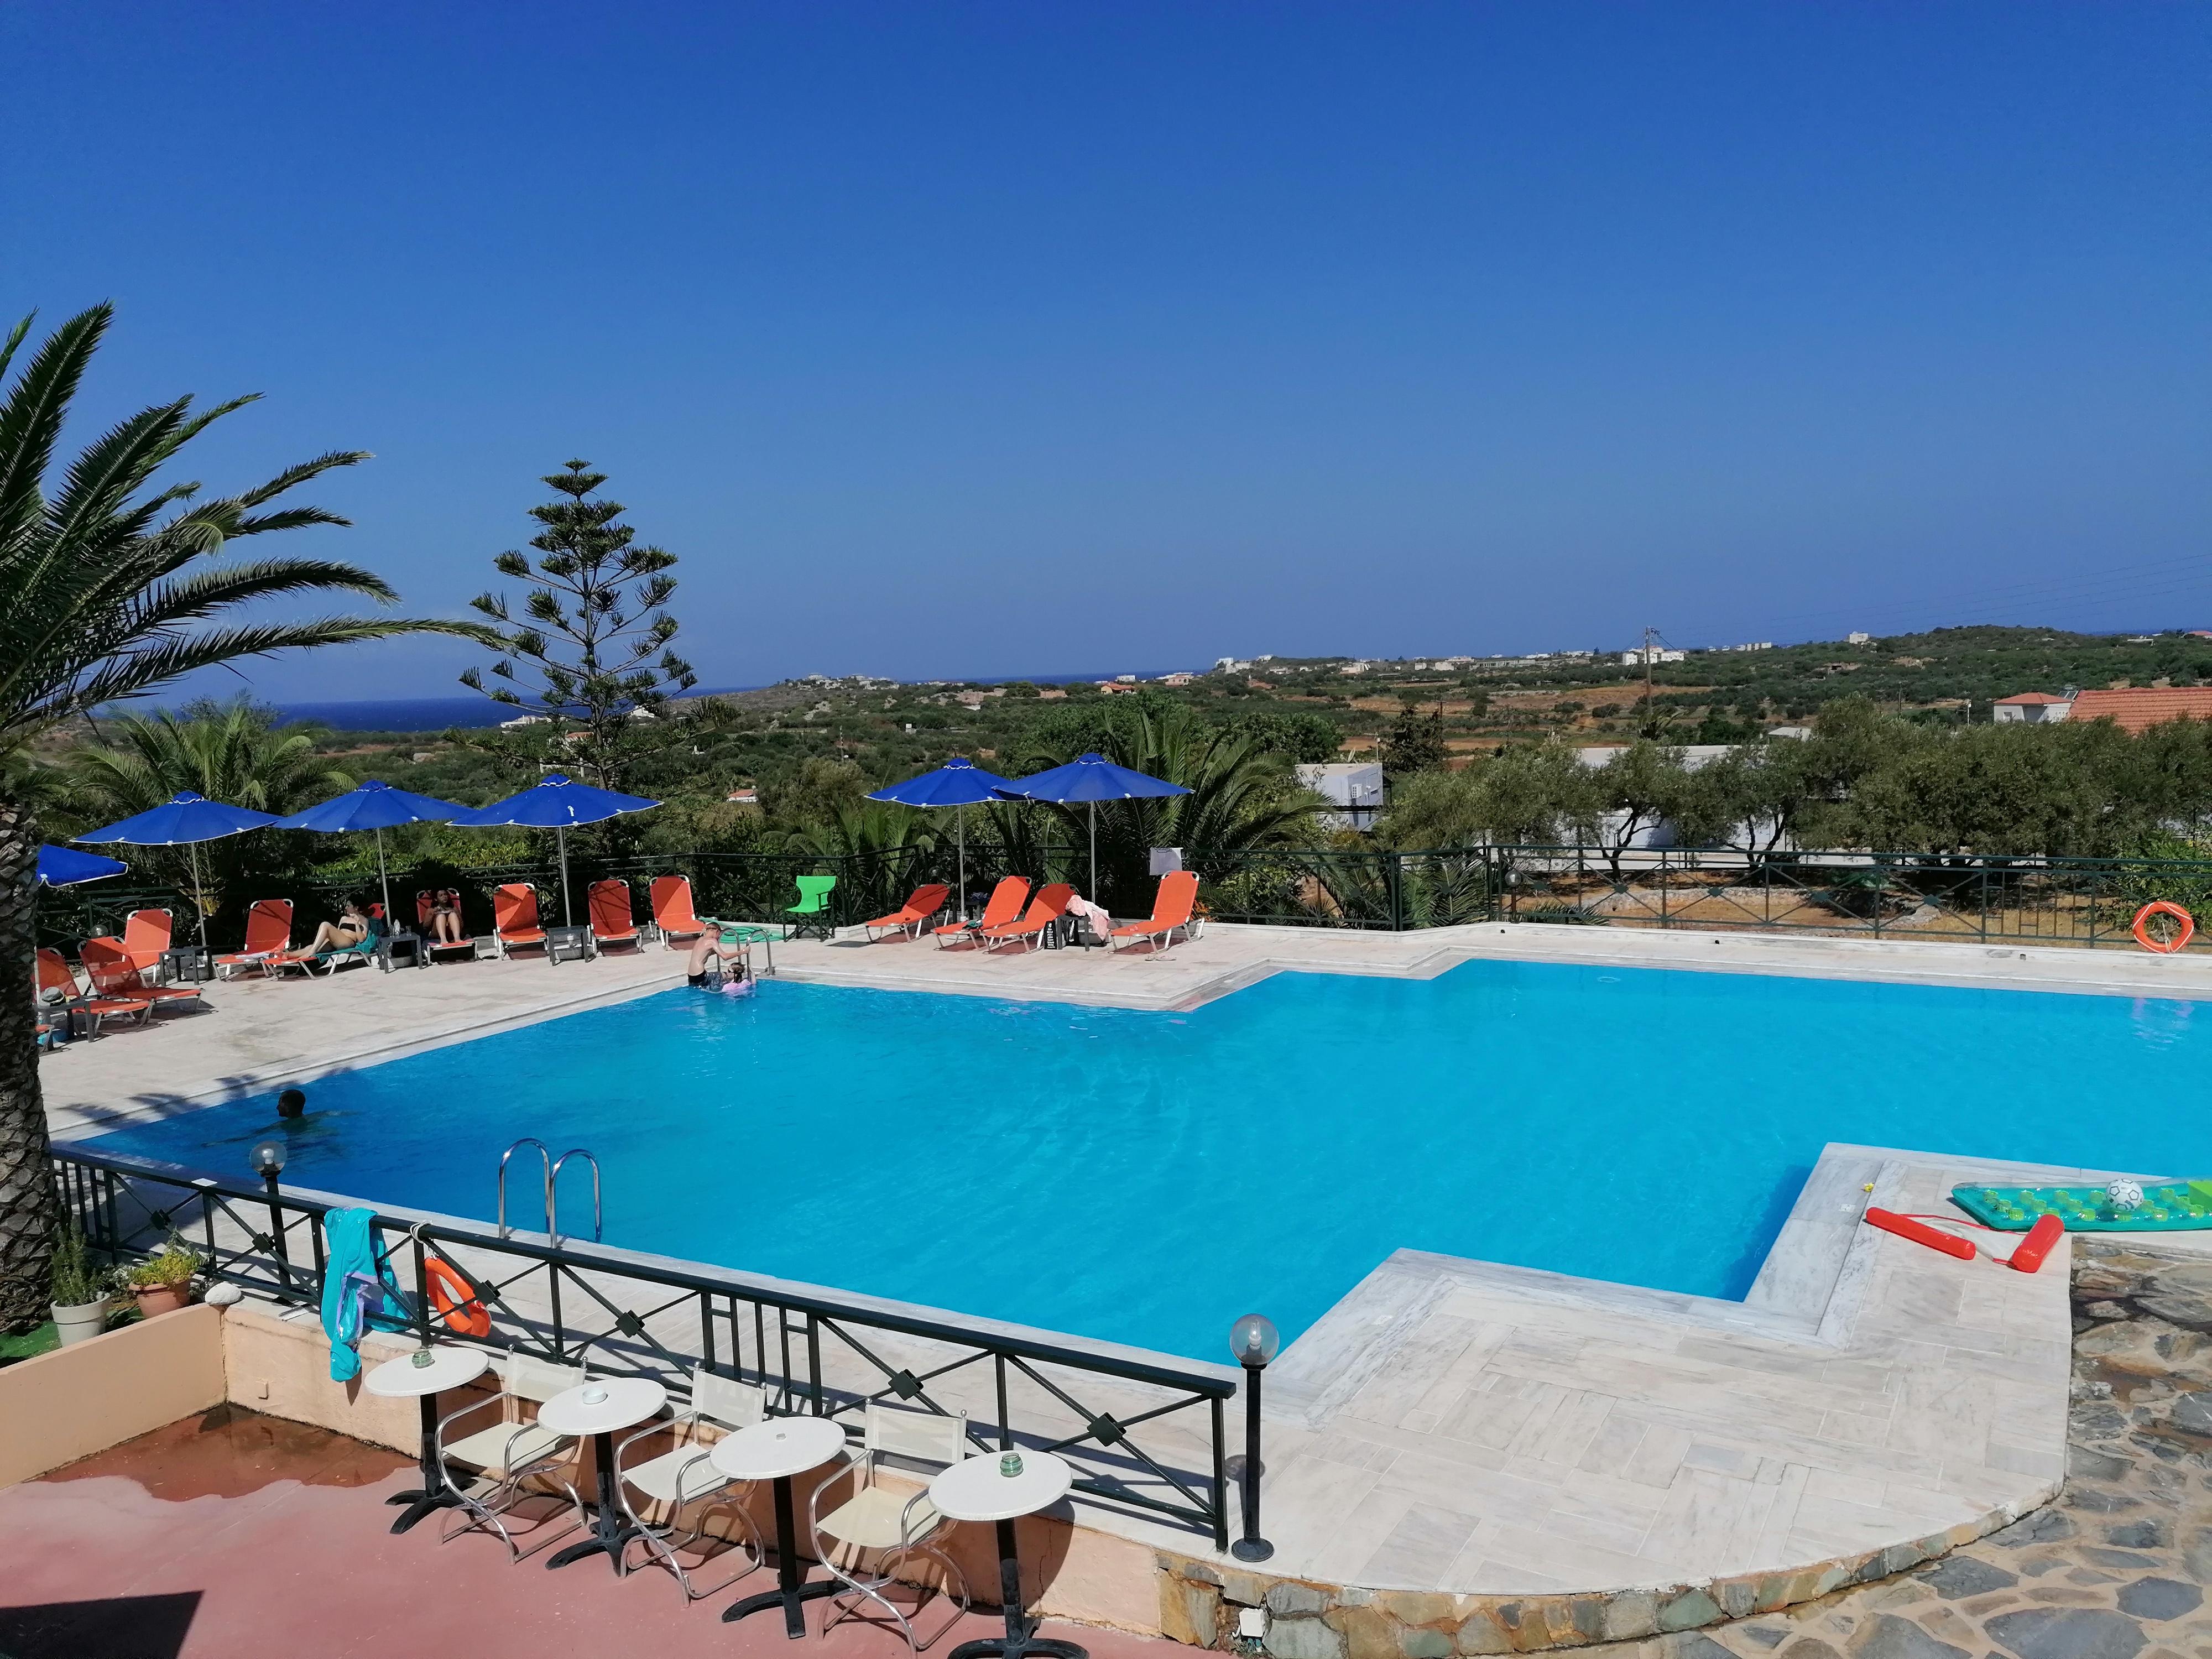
[{"x": 1146, "y": 1177}]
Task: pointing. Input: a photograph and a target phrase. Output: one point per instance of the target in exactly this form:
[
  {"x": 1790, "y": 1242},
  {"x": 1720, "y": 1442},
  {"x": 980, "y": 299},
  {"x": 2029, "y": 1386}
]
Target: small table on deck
[
  {"x": 975, "y": 1490},
  {"x": 575, "y": 942},
  {"x": 402, "y": 942},
  {"x": 186, "y": 961},
  {"x": 777, "y": 1449},
  {"x": 397, "y": 1379},
  {"x": 622, "y": 1403}
]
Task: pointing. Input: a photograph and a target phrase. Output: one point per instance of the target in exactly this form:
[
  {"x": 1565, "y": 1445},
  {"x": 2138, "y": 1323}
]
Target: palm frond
[
  {"x": 14, "y": 338},
  {"x": 31, "y": 413},
  {"x": 134, "y": 674},
  {"x": 200, "y": 595}
]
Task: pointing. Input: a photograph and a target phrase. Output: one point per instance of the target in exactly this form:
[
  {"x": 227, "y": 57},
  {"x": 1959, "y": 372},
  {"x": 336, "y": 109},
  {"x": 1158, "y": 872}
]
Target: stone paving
[{"x": 2119, "y": 1567}]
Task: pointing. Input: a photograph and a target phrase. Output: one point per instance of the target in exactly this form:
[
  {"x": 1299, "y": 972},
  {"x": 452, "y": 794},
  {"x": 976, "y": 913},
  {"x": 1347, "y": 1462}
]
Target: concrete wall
[
  {"x": 283, "y": 1367},
  {"x": 85, "y": 1398}
]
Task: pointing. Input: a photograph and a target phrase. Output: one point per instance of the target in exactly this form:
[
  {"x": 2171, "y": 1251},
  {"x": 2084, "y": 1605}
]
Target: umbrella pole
[
  {"x": 383, "y": 877},
  {"x": 199, "y": 895},
  {"x": 1093, "y": 894},
  {"x": 960, "y": 831},
  {"x": 561, "y": 835}
]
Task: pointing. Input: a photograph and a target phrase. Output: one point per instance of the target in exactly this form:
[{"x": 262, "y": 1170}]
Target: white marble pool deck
[{"x": 1452, "y": 1425}]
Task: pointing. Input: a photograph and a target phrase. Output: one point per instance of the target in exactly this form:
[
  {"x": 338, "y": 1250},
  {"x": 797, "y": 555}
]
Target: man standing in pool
[{"x": 712, "y": 949}]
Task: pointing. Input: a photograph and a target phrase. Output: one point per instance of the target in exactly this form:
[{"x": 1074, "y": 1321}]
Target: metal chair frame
[
  {"x": 524, "y": 1378},
  {"x": 917, "y": 1436},
  {"x": 726, "y": 1405}
]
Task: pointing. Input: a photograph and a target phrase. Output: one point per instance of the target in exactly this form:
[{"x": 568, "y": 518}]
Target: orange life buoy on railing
[
  {"x": 2164, "y": 907},
  {"x": 454, "y": 1300}
]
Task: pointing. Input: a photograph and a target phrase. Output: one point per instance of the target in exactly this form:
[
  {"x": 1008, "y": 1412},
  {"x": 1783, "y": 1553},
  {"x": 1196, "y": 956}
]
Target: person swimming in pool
[
  {"x": 721, "y": 952},
  {"x": 348, "y": 931}
]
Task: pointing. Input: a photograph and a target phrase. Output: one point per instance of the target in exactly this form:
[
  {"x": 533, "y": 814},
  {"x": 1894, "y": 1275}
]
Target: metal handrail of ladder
[
  {"x": 552, "y": 1187},
  {"x": 546, "y": 1155}
]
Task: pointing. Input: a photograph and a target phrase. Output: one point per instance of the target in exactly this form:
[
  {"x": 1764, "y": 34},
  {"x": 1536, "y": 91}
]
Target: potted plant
[
  {"x": 80, "y": 1297},
  {"x": 164, "y": 1283}
]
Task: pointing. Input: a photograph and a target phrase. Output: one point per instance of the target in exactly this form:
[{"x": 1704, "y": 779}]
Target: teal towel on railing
[{"x": 353, "y": 1283}]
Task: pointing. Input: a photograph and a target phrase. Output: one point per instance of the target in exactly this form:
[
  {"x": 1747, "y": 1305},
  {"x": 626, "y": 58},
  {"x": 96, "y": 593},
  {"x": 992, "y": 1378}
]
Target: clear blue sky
[{"x": 975, "y": 339}]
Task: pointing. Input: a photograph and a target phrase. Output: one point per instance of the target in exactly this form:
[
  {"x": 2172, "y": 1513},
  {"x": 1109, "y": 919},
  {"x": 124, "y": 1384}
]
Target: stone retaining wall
[
  {"x": 2117, "y": 1568},
  {"x": 1200, "y": 1604}
]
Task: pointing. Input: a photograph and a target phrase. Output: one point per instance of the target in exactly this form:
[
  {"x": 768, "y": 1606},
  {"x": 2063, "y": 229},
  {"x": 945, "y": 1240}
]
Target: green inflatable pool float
[{"x": 2171, "y": 1207}]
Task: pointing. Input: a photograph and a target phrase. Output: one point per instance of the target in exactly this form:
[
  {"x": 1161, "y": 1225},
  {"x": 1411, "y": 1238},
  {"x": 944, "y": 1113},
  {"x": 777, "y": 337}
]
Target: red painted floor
[{"x": 240, "y": 1536}]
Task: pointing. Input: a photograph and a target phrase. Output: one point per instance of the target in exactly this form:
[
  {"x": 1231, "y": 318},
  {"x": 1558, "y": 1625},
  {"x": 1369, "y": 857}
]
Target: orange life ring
[
  {"x": 2164, "y": 907},
  {"x": 454, "y": 1300}
]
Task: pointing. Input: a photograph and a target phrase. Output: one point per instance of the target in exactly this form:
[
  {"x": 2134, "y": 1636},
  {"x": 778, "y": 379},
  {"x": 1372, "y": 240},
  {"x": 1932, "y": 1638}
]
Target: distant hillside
[{"x": 1310, "y": 708}]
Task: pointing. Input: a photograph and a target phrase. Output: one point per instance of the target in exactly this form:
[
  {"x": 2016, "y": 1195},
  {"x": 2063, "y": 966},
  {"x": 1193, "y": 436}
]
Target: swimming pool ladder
[{"x": 552, "y": 1166}]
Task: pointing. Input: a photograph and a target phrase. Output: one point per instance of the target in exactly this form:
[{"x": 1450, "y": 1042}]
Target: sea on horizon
[{"x": 476, "y": 714}]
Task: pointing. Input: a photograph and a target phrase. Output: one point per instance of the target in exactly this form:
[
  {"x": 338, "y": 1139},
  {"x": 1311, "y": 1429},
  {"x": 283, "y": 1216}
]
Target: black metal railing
[
  {"x": 559, "y": 1300},
  {"x": 1963, "y": 898},
  {"x": 1982, "y": 898}
]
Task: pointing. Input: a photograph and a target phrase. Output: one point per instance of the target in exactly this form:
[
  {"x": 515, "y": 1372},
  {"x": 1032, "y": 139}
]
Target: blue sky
[{"x": 984, "y": 339}]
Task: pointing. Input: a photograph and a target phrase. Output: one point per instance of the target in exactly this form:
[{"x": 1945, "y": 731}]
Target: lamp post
[
  {"x": 1254, "y": 1340},
  {"x": 267, "y": 1158}
]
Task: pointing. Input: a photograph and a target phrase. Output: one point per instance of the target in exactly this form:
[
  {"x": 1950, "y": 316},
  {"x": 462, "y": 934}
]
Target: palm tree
[
  {"x": 109, "y": 597},
  {"x": 1244, "y": 799},
  {"x": 234, "y": 752}
]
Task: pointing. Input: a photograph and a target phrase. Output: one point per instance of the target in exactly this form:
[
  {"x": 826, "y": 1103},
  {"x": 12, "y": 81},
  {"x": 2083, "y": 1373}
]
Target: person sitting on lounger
[
  {"x": 445, "y": 918},
  {"x": 711, "y": 949},
  {"x": 348, "y": 931}
]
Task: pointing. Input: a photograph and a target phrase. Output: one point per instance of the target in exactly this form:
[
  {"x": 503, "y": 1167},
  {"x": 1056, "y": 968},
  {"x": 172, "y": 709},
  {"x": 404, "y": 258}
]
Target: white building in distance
[{"x": 1353, "y": 787}]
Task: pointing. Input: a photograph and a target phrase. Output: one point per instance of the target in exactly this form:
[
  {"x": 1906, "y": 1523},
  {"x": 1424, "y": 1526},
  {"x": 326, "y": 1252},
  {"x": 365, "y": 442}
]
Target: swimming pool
[{"x": 1146, "y": 1177}]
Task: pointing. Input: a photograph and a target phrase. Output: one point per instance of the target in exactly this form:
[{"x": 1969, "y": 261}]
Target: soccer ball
[{"x": 2124, "y": 1193}]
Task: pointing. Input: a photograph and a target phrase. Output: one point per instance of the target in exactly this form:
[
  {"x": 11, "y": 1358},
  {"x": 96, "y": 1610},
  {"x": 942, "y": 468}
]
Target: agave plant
[{"x": 114, "y": 591}]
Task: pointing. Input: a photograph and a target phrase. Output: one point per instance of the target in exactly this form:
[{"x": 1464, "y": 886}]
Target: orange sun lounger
[
  {"x": 612, "y": 923},
  {"x": 672, "y": 910},
  {"x": 54, "y": 974},
  {"x": 514, "y": 918},
  {"x": 1006, "y": 901},
  {"x": 108, "y": 965},
  {"x": 146, "y": 934},
  {"x": 916, "y": 913},
  {"x": 268, "y": 934},
  {"x": 1050, "y": 904},
  {"x": 1171, "y": 908}
]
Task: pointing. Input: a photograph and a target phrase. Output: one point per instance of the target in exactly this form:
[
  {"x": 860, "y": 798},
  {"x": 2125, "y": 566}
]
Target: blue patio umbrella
[
  {"x": 1087, "y": 781},
  {"x": 958, "y": 784},
  {"x": 375, "y": 807},
  {"x": 64, "y": 867},
  {"x": 185, "y": 819},
  {"x": 557, "y": 803}
]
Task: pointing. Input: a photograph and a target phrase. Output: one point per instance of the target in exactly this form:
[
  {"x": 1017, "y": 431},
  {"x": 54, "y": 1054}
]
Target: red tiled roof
[
  {"x": 2138, "y": 710},
  {"x": 2032, "y": 696}
]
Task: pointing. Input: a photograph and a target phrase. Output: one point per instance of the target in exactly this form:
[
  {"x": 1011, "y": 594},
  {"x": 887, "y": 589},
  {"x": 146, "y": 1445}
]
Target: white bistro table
[
  {"x": 979, "y": 1489},
  {"x": 601, "y": 1408},
  {"x": 775, "y": 1450},
  {"x": 402, "y": 1378}
]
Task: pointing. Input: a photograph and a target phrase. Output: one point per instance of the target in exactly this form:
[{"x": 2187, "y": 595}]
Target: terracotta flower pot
[{"x": 160, "y": 1299}]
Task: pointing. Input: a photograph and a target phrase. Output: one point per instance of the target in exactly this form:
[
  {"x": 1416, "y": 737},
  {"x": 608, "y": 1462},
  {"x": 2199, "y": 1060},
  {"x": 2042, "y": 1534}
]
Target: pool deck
[
  {"x": 257, "y": 1033},
  {"x": 1458, "y": 1426}
]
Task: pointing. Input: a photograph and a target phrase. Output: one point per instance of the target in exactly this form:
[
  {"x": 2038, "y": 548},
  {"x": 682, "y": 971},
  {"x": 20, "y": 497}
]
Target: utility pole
[{"x": 1651, "y": 639}]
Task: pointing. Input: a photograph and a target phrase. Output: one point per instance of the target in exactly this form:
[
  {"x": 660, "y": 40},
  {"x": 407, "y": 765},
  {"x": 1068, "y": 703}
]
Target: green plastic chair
[{"x": 813, "y": 906}]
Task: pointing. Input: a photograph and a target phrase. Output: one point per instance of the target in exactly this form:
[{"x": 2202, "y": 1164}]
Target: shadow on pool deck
[{"x": 250, "y": 1537}]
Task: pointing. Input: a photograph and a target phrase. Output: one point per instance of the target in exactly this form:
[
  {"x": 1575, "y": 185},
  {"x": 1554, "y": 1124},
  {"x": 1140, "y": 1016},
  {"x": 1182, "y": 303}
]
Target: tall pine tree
[{"x": 592, "y": 626}]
